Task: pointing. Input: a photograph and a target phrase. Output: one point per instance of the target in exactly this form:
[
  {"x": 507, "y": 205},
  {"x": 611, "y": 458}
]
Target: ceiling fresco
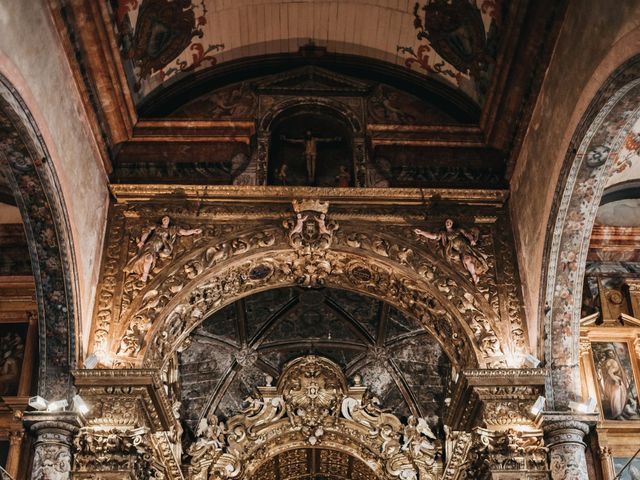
[
  {"x": 239, "y": 346},
  {"x": 453, "y": 41}
]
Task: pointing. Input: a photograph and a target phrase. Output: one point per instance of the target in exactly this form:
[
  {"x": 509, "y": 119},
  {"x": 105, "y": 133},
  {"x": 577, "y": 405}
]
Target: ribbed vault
[
  {"x": 237, "y": 347},
  {"x": 314, "y": 464}
]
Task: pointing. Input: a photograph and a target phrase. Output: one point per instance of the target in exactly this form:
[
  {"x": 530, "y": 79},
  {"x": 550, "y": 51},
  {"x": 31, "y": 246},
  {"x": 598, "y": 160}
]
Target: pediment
[{"x": 312, "y": 80}]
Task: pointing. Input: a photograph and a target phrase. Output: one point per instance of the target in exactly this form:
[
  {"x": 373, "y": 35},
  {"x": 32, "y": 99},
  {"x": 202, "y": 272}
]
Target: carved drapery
[
  {"x": 495, "y": 407},
  {"x": 311, "y": 405},
  {"x": 225, "y": 263},
  {"x": 53, "y": 439}
]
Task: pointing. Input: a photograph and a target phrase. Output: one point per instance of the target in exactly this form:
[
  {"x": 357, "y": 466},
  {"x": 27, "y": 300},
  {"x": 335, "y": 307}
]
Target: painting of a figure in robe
[
  {"x": 311, "y": 149},
  {"x": 619, "y": 395},
  {"x": 632, "y": 472},
  {"x": 12, "y": 338}
]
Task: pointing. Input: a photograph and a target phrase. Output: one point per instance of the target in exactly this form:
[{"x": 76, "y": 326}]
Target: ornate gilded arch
[
  {"x": 311, "y": 248},
  {"x": 26, "y": 165},
  {"x": 312, "y": 406},
  {"x": 601, "y": 145}
]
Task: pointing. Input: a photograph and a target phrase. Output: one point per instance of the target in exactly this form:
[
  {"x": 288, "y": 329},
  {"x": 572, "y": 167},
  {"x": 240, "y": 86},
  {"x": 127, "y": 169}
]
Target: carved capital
[
  {"x": 16, "y": 437},
  {"x": 130, "y": 430},
  {"x": 511, "y": 451},
  {"x": 132, "y": 398},
  {"x": 564, "y": 435},
  {"x": 496, "y": 399},
  {"x": 585, "y": 346},
  {"x": 53, "y": 434}
]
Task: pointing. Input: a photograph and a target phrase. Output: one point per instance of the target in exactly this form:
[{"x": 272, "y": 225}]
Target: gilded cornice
[{"x": 126, "y": 193}]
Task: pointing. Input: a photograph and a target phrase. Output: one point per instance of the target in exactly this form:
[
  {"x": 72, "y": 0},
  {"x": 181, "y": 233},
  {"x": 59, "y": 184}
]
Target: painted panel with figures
[{"x": 618, "y": 390}]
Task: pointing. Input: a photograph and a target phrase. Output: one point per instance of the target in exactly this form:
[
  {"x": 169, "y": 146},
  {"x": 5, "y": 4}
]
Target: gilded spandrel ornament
[
  {"x": 156, "y": 242},
  {"x": 460, "y": 244}
]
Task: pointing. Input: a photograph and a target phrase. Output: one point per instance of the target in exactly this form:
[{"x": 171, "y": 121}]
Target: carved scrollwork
[
  {"x": 111, "y": 450},
  {"x": 310, "y": 249},
  {"x": 312, "y": 405}
]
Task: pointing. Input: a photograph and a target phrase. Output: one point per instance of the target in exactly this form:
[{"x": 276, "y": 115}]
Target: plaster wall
[
  {"x": 592, "y": 43},
  {"x": 33, "y": 59}
]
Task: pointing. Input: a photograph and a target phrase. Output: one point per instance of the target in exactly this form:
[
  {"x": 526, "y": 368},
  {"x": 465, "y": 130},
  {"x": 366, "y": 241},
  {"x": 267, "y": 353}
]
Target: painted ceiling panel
[{"x": 454, "y": 41}]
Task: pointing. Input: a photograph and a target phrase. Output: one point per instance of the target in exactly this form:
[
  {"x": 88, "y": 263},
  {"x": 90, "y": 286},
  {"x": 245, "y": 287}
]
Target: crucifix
[{"x": 310, "y": 150}]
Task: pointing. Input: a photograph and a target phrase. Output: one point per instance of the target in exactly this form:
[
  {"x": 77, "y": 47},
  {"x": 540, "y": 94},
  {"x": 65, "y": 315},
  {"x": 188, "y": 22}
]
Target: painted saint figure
[
  {"x": 459, "y": 243},
  {"x": 310, "y": 150},
  {"x": 614, "y": 384},
  {"x": 157, "y": 241}
]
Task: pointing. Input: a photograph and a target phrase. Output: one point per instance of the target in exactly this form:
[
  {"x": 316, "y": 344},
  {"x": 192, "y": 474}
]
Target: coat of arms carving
[{"x": 310, "y": 230}]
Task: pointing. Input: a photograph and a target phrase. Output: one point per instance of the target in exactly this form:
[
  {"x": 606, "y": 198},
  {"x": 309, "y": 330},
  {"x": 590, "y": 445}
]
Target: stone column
[
  {"x": 564, "y": 433},
  {"x": 495, "y": 405},
  {"x": 53, "y": 434}
]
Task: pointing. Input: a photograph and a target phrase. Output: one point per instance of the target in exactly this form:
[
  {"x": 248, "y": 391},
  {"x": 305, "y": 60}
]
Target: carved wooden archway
[
  {"x": 26, "y": 164},
  {"x": 311, "y": 250}
]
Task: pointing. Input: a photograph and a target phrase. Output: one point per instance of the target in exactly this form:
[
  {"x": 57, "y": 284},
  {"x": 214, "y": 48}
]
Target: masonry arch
[
  {"x": 389, "y": 267},
  {"x": 603, "y": 143},
  {"x": 26, "y": 164}
]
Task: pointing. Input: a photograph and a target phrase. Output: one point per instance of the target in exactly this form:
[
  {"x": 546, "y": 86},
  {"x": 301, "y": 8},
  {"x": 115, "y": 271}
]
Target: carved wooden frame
[{"x": 617, "y": 438}]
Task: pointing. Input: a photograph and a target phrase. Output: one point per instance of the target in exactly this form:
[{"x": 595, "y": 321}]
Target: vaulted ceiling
[
  {"x": 235, "y": 349},
  {"x": 478, "y": 62},
  {"x": 454, "y": 42}
]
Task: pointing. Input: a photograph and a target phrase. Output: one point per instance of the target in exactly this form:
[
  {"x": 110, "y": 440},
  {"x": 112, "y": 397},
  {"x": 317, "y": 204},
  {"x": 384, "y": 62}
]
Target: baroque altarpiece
[{"x": 309, "y": 268}]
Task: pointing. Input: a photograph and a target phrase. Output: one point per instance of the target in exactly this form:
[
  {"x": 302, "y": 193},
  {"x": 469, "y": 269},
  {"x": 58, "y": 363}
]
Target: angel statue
[
  {"x": 417, "y": 438},
  {"x": 459, "y": 243},
  {"x": 210, "y": 434},
  {"x": 157, "y": 241}
]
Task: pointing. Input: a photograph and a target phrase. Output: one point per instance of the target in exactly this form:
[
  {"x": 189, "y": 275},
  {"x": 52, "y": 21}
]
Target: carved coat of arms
[{"x": 310, "y": 230}]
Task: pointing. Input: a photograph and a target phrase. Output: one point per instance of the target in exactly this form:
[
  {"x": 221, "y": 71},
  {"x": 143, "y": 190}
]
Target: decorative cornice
[
  {"x": 110, "y": 385},
  {"x": 273, "y": 194}
]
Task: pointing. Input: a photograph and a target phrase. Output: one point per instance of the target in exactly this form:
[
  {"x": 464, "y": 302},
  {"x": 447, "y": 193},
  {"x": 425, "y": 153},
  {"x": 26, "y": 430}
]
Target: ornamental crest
[
  {"x": 312, "y": 405},
  {"x": 310, "y": 231}
]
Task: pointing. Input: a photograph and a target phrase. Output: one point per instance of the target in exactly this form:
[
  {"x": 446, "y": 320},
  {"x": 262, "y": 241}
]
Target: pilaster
[
  {"x": 496, "y": 406},
  {"x": 131, "y": 432}
]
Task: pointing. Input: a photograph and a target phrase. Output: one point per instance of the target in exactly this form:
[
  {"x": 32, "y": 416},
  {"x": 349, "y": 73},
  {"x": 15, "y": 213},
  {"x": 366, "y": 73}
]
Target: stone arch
[
  {"x": 600, "y": 146},
  {"x": 26, "y": 164},
  {"x": 392, "y": 268}
]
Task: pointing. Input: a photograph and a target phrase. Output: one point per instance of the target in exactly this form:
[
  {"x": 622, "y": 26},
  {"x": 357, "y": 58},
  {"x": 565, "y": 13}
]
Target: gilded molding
[{"x": 279, "y": 194}]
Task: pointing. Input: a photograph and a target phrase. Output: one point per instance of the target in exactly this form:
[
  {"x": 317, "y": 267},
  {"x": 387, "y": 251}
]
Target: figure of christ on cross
[{"x": 310, "y": 150}]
